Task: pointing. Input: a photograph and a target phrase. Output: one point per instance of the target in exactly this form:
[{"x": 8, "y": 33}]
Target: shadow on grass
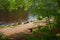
[
  {"x": 35, "y": 36},
  {"x": 3, "y": 37}
]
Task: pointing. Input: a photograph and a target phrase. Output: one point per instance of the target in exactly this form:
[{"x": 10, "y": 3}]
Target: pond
[{"x": 16, "y": 16}]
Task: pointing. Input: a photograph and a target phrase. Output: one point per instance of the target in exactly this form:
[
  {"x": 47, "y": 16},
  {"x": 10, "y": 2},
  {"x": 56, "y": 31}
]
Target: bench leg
[
  {"x": 31, "y": 30},
  {"x": 39, "y": 27}
]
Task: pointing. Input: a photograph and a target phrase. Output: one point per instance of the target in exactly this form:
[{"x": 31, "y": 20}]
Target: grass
[
  {"x": 3, "y": 37},
  {"x": 8, "y": 26}
]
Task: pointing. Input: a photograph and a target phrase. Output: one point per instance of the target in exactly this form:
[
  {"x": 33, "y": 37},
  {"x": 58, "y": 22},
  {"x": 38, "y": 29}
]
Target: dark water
[{"x": 16, "y": 16}]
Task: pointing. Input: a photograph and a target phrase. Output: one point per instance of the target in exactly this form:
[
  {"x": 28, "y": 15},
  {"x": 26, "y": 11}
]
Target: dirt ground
[{"x": 20, "y": 28}]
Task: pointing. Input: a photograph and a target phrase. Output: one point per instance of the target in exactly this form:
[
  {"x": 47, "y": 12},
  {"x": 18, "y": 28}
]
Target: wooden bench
[{"x": 31, "y": 29}]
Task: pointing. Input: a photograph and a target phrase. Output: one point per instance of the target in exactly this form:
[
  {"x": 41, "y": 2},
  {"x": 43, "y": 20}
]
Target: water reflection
[{"x": 16, "y": 16}]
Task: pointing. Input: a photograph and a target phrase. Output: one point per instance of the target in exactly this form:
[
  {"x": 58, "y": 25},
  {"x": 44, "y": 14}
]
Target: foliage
[
  {"x": 44, "y": 8},
  {"x": 47, "y": 8},
  {"x": 2, "y": 37},
  {"x": 39, "y": 17},
  {"x": 45, "y": 34},
  {"x": 10, "y": 5}
]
